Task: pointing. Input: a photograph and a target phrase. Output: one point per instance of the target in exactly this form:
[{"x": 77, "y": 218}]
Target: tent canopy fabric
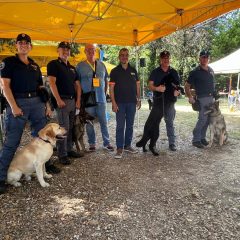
[
  {"x": 118, "y": 22},
  {"x": 228, "y": 64}
]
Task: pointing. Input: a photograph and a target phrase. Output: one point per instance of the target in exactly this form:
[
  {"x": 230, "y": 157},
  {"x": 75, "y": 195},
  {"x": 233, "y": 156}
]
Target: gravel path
[{"x": 191, "y": 194}]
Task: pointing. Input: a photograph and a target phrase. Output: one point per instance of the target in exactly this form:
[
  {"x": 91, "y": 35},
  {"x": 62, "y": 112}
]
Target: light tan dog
[{"x": 32, "y": 157}]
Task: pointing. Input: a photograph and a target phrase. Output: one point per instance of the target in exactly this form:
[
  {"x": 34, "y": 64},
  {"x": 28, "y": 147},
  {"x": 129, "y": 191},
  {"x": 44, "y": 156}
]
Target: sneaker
[
  {"x": 119, "y": 153},
  {"x": 109, "y": 148},
  {"x": 92, "y": 148},
  {"x": 3, "y": 187},
  {"x": 198, "y": 144},
  {"x": 74, "y": 154},
  {"x": 52, "y": 169},
  {"x": 130, "y": 149},
  {"x": 172, "y": 147},
  {"x": 204, "y": 142},
  {"x": 64, "y": 160}
]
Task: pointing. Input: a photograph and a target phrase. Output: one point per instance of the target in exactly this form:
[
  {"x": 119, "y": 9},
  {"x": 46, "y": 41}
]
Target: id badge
[{"x": 96, "y": 82}]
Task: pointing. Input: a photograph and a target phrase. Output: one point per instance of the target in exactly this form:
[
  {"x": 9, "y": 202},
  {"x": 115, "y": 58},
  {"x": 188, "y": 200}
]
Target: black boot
[
  {"x": 153, "y": 150},
  {"x": 3, "y": 187}
]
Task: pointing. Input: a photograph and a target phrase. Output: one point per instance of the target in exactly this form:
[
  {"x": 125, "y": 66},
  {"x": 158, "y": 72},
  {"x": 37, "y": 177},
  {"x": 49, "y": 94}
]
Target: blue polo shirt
[
  {"x": 124, "y": 80},
  {"x": 159, "y": 77},
  {"x": 203, "y": 81},
  {"x": 25, "y": 78},
  {"x": 85, "y": 73}
]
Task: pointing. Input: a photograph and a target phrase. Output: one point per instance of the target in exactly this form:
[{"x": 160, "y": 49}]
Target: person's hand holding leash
[
  {"x": 160, "y": 88},
  {"x": 191, "y": 100},
  {"x": 16, "y": 111}
]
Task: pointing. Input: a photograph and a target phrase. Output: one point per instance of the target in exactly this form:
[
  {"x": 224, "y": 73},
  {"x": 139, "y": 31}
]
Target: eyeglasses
[{"x": 21, "y": 43}]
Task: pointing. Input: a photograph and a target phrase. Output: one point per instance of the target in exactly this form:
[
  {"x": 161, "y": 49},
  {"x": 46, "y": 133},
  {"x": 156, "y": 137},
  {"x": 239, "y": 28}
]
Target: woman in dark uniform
[{"x": 20, "y": 79}]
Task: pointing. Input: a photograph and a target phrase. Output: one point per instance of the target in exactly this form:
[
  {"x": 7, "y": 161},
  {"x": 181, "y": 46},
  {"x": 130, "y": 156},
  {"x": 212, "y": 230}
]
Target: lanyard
[{"x": 92, "y": 66}]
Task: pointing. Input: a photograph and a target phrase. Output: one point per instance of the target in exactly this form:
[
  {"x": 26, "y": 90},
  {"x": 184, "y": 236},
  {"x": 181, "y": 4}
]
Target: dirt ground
[{"x": 191, "y": 194}]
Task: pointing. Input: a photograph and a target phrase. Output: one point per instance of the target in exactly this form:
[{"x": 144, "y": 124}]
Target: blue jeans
[
  {"x": 100, "y": 112},
  {"x": 34, "y": 111},
  {"x": 65, "y": 118},
  {"x": 169, "y": 116},
  {"x": 125, "y": 120},
  {"x": 199, "y": 132}
]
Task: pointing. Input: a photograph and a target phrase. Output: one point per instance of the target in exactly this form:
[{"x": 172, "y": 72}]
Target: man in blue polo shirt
[
  {"x": 93, "y": 76},
  {"x": 202, "y": 80},
  {"x": 66, "y": 90},
  {"x": 125, "y": 96}
]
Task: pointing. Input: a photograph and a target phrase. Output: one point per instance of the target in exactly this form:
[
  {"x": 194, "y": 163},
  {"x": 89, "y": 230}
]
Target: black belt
[
  {"x": 67, "y": 96},
  {"x": 25, "y": 95},
  {"x": 205, "y": 95}
]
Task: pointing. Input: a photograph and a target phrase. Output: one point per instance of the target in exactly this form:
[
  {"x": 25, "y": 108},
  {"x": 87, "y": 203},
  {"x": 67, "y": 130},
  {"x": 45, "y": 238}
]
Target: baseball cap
[
  {"x": 164, "y": 54},
  {"x": 204, "y": 53},
  {"x": 23, "y": 37},
  {"x": 64, "y": 45}
]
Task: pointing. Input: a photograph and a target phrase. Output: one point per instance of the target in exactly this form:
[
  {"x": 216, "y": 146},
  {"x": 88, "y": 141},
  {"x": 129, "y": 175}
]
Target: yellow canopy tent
[
  {"x": 120, "y": 22},
  {"x": 43, "y": 54}
]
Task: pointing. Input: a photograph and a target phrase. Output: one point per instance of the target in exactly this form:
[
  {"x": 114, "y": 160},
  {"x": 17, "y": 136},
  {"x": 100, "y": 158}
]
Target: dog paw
[
  {"x": 17, "y": 184},
  {"x": 45, "y": 184},
  {"x": 48, "y": 175},
  {"x": 28, "y": 178}
]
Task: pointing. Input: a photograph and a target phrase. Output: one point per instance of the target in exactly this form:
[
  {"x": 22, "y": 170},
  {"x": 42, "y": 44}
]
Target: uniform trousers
[
  {"x": 34, "y": 112},
  {"x": 65, "y": 118},
  {"x": 199, "y": 132}
]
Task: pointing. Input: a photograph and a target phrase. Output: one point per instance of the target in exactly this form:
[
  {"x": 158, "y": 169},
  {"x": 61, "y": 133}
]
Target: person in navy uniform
[
  {"x": 66, "y": 90},
  {"x": 202, "y": 80},
  {"x": 163, "y": 82},
  {"x": 20, "y": 80}
]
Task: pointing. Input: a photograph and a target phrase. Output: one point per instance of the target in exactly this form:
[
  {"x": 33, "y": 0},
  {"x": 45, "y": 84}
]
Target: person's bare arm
[
  {"x": 188, "y": 92},
  {"x": 7, "y": 91},
  {"x": 160, "y": 88},
  {"x": 138, "y": 95},
  {"x": 111, "y": 91},
  {"x": 78, "y": 94},
  {"x": 52, "y": 84}
]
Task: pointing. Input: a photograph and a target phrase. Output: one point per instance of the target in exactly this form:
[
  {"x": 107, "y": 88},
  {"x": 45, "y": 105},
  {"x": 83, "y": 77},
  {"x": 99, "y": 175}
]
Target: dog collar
[{"x": 47, "y": 141}]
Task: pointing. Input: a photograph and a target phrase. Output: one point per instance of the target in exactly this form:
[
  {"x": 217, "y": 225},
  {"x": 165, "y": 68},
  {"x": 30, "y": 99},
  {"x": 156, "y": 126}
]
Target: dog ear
[
  {"x": 50, "y": 133},
  {"x": 42, "y": 132}
]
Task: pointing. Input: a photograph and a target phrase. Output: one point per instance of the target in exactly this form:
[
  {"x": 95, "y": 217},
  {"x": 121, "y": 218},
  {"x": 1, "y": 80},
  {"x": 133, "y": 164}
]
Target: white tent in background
[{"x": 228, "y": 65}]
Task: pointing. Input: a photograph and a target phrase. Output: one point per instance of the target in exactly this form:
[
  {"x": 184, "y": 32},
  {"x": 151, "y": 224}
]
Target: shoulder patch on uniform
[{"x": 2, "y": 65}]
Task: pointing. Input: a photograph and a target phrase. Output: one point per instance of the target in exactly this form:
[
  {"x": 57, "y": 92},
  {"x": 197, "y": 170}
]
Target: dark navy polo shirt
[
  {"x": 65, "y": 74},
  {"x": 159, "y": 77},
  {"x": 202, "y": 81},
  {"x": 125, "y": 90},
  {"x": 25, "y": 78}
]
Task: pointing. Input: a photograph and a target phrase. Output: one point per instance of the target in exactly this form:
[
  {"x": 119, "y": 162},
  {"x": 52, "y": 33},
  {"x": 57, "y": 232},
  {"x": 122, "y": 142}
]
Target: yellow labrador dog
[{"x": 32, "y": 157}]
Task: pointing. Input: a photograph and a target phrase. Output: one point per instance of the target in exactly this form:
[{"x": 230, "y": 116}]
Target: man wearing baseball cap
[
  {"x": 66, "y": 91},
  {"x": 162, "y": 81},
  {"x": 202, "y": 80}
]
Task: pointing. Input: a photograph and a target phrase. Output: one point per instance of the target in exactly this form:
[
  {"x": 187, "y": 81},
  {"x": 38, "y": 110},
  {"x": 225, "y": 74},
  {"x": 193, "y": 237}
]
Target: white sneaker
[{"x": 119, "y": 153}]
